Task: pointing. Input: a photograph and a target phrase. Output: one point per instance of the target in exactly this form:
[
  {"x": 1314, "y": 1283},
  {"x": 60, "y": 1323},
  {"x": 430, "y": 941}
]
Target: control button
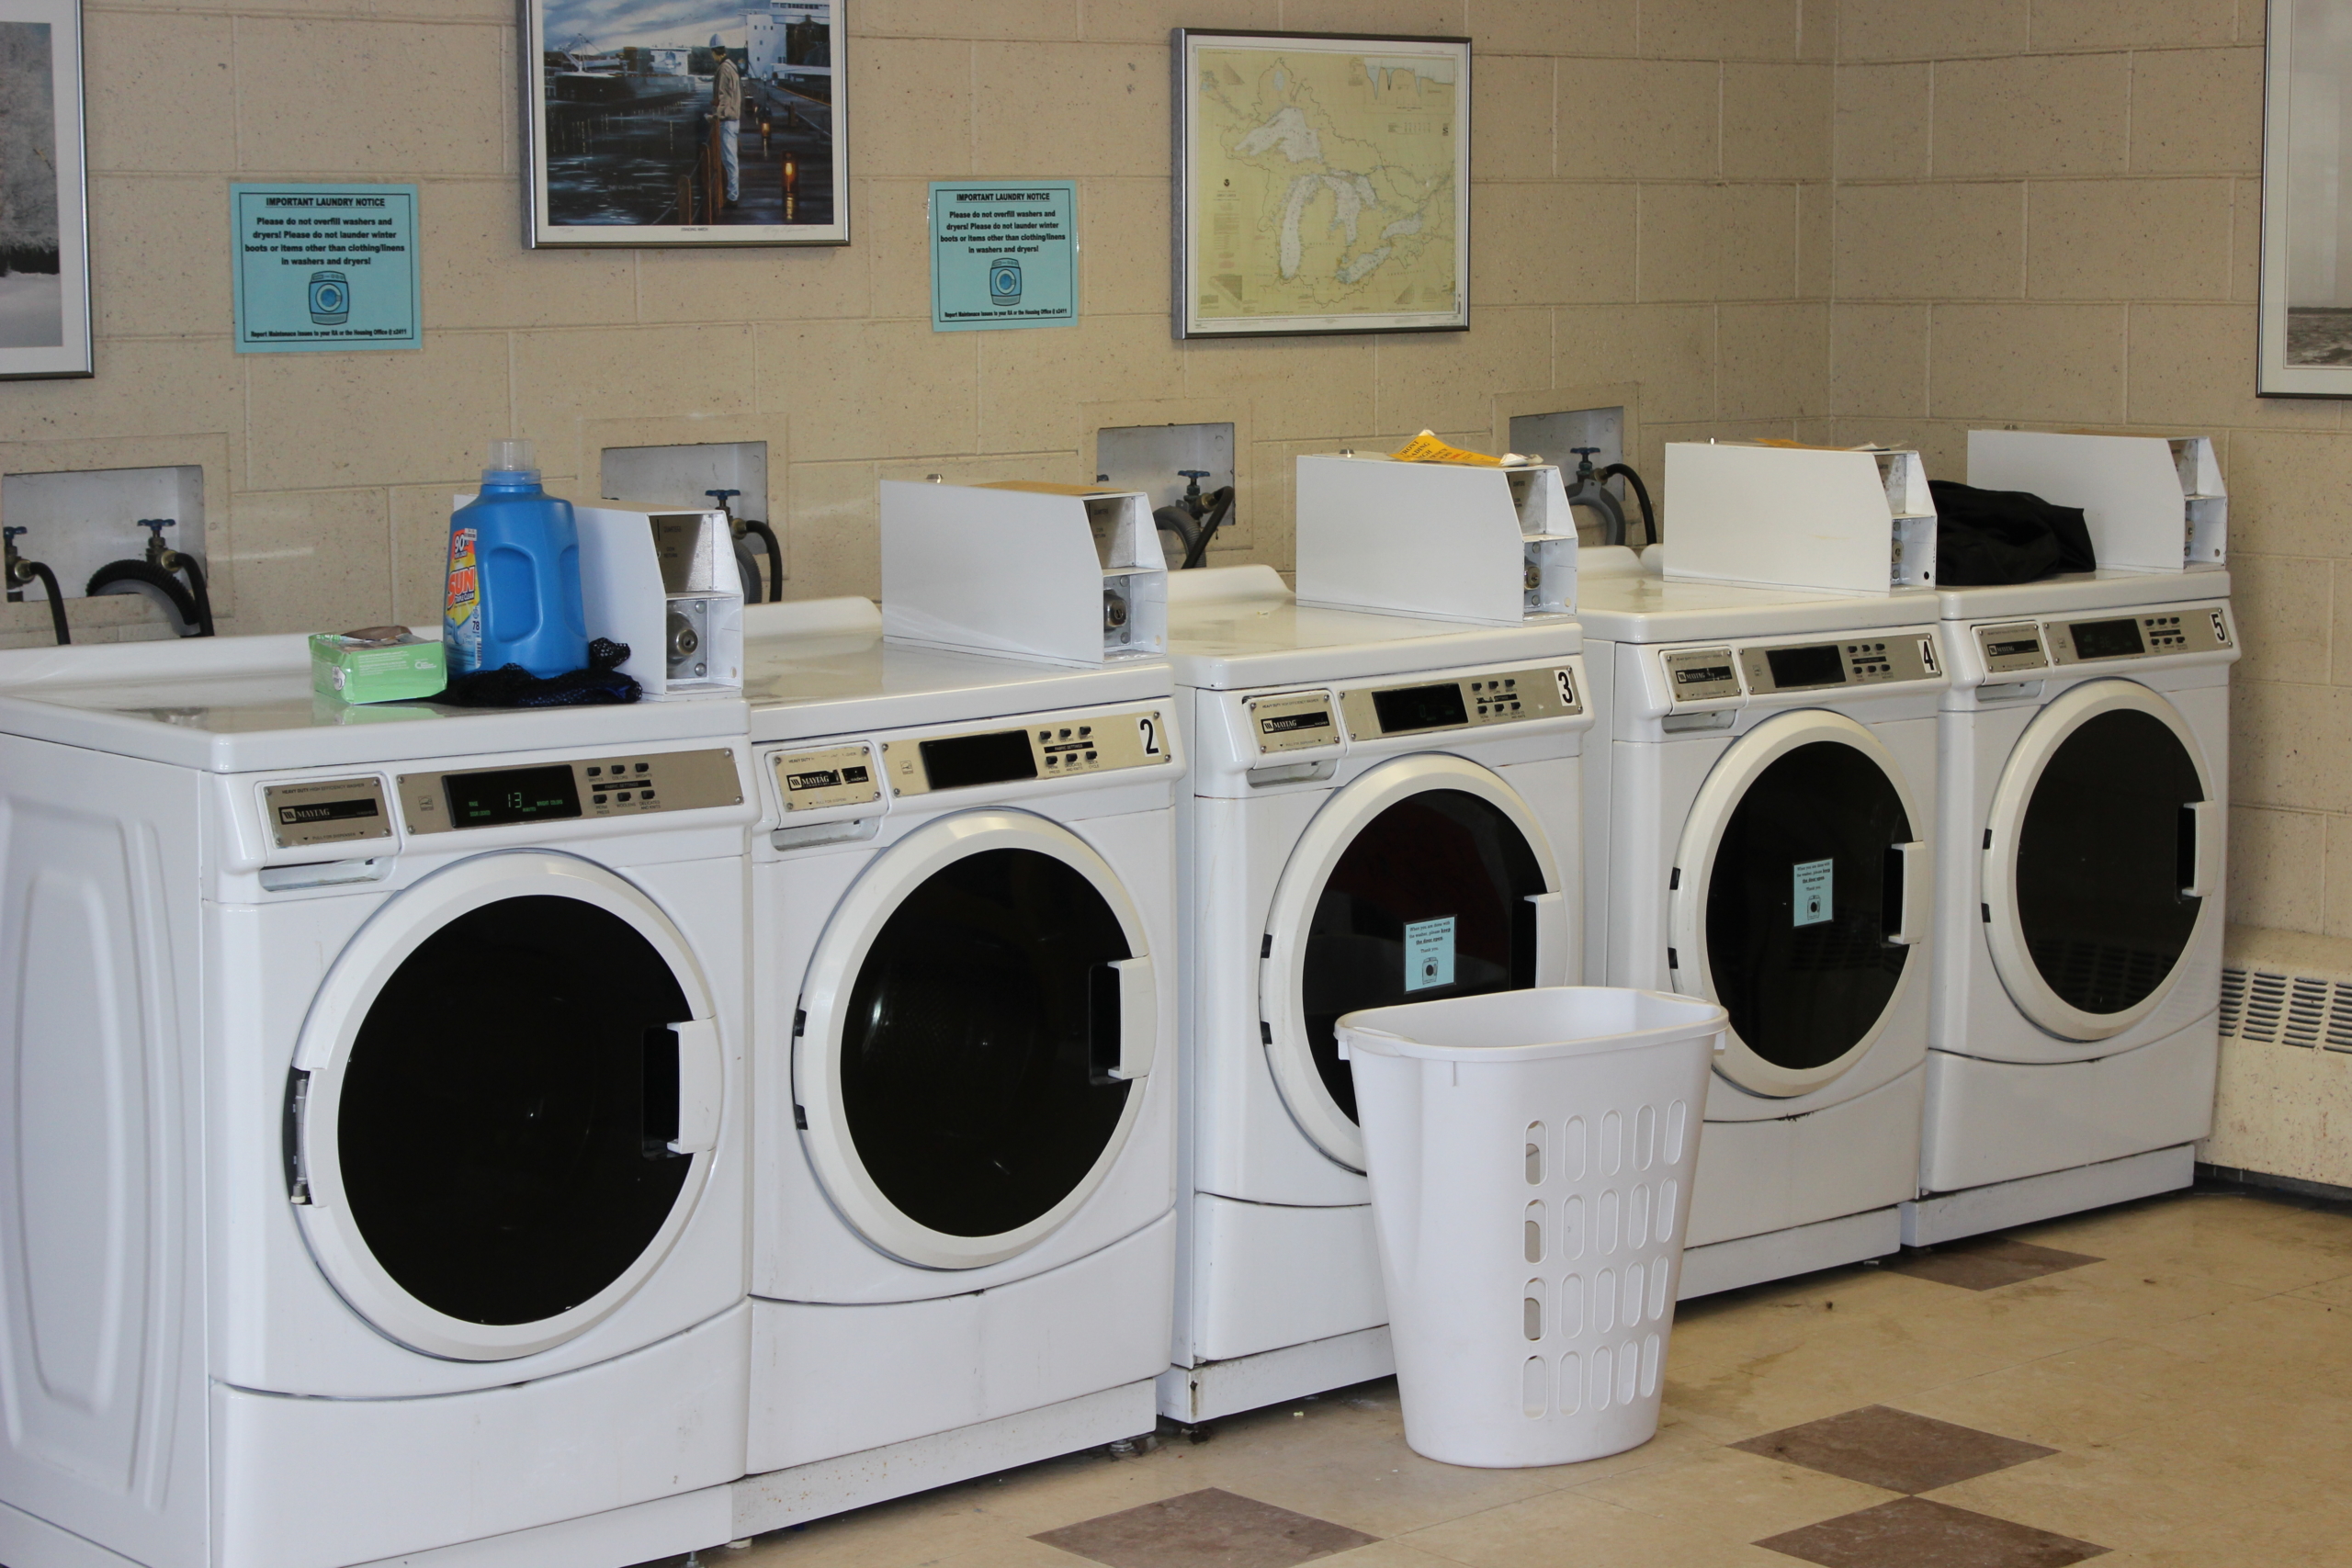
[
  {"x": 1053, "y": 761},
  {"x": 623, "y": 795},
  {"x": 645, "y": 767},
  {"x": 1065, "y": 734},
  {"x": 1090, "y": 756},
  {"x": 593, "y": 772},
  {"x": 1478, "y": 686},
  {"x": 1085, "y": 730},
  {"x": 1045, "y": 734},
  {"x": 1512, "y": 682},
  {"x": 600, "y": 800}
]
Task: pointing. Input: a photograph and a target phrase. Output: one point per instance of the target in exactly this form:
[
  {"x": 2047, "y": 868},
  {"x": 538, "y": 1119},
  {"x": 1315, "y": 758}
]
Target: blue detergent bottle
[{"x": 514, "y": 585}]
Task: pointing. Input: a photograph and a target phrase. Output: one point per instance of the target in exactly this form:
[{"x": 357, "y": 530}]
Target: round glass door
[
  {"x": 1794, "y": 879},
  {"x": 503, "y": 1105},
  {"x": 979, "y": 1045},
  {"x": 1428, "y": 878},
  {"x": 2092, "y": 876}
]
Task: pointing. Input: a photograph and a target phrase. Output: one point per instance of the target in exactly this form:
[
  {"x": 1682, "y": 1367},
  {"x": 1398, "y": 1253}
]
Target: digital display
[
  {"x": 1816, "y": 666},
  {"x": 2005, "y": 649},
  {"x": 329, "y": 811},
  {"x": 2108, "y": 639},
  {"x": 963, "y": 761},
  {"x": 511, "y": 794},
  {"x": 1290, "y": 723},
  {"x": 1419, "y": 707}
]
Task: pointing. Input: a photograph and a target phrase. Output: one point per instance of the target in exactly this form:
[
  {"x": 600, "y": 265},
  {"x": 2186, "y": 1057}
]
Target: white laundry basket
[{"x": 1531, "y": 1155}]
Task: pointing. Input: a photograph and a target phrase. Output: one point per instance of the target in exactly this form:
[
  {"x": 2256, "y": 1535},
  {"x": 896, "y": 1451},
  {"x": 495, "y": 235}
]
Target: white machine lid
[
  {"x": 1653, "y": 609},
  {"x": 236, "y": 705},
  {"x": 1238, "y": 626},
  {"x": 2102, "y": 589},
  {"x": 818, "y": 667}
]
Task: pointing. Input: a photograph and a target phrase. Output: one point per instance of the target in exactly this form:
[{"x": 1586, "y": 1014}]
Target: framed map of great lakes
[{"x": 1322, "y": 184}]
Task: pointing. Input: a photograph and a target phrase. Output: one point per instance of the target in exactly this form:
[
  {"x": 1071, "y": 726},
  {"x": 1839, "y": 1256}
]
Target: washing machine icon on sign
[
  {"x": 330, "y": 299},
  {"x": 1004, "y": 281}
]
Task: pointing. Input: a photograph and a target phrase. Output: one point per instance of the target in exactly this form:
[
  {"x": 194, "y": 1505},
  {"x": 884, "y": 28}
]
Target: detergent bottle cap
[{"x": 511, "y": 463}]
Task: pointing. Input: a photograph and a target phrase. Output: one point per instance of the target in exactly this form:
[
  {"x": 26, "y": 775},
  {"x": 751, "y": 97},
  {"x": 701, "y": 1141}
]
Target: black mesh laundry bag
[{"x": 1985, "y": 536}]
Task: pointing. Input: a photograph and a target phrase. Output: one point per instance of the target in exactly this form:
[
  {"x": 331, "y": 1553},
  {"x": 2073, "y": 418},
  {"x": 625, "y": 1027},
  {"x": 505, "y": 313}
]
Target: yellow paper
[{"x": 1427, "y": 449}]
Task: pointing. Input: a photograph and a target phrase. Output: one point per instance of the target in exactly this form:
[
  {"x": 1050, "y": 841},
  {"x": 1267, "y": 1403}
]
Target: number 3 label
[{"x": 1148, "y": 726}]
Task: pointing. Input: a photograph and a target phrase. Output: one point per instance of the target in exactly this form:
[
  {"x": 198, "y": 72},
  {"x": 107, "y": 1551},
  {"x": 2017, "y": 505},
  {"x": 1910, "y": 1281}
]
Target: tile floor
[{"x": 2167, "y": 1382}]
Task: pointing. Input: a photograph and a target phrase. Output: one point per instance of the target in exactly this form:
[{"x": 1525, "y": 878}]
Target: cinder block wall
[{"x": 1651, "y": 206}]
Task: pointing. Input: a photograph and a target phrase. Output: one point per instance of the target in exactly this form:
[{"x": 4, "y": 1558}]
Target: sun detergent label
[{"x": 461, "y": 609}]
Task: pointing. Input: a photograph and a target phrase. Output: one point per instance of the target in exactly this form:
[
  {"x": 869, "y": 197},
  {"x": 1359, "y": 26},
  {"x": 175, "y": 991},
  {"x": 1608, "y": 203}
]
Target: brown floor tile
[
  {"x": 1985, "y": 1263},
  {"x": 1200, "y": 1528},
  {"x": 1894, "y": 1449},
  {"x": 1912, "y": 1532}
]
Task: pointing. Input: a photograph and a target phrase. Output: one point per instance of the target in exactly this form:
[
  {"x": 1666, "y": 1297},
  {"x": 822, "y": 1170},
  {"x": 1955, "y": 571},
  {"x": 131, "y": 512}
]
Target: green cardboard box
[{"x": 375, "y": 664}]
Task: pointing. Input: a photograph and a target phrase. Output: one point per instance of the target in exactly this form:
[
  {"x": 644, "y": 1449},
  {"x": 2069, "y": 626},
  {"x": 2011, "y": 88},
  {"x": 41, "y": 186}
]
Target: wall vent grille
[{"x": 2274, "y": 1008}]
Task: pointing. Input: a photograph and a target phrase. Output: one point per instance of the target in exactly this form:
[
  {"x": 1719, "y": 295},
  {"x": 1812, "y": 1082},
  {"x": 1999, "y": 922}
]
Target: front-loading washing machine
[
  {"x": 964, "y": 943},
  {"x": 375, "y": 1157},
  {"x": 2077, "y": 975},
  {"x": 1382, "y": 809},
  {"x": 1765, "y": 805}
]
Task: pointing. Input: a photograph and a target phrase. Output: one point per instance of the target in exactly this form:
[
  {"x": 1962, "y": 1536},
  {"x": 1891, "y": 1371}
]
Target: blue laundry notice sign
[
  {"x": 1429, "y": 953},
  {"x": 1813, "y": 892},
  {"x": 1003, "y": 256},
  {"x": 326, "y": 268}
]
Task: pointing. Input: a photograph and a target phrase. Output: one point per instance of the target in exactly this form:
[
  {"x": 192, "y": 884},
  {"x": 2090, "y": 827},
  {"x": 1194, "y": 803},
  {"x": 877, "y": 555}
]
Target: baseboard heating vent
[{"x": 2275, "y": 1007}]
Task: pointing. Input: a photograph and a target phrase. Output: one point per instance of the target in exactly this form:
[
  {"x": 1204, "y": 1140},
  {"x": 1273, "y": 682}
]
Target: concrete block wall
[{"x": 1651, "y": 206}]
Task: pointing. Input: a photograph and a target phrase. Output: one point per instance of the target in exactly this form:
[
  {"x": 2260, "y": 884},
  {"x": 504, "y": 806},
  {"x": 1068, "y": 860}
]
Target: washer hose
[
  {"x": 775, "y": 558},
  {"x": 197, "y": 593},
  {"x": 56, "y": 602},
  {"x": 147, "y": 577},
  {"x": 1221, "y": 509},
  {"x": 1641, "y": 493}
]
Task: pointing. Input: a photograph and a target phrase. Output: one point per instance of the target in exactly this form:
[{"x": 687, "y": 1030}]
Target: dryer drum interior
[
  {"x": 504, "y": 1122},
  {"x": 2105, "y": 849},
  {"x": 1428, "y": 900},
  {"x": 1803, "y": 896},
  {"x": 978, "y": 1040}
]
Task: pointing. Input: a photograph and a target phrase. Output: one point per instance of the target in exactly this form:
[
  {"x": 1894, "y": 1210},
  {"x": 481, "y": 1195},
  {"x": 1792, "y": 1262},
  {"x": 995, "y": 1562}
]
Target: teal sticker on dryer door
[
  {"x": 1813, "y": 905},
  {"x": 1429, "y": 953}
]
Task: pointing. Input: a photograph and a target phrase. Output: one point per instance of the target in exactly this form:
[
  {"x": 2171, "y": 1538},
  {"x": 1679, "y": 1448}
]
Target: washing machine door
[
  {"x": 1799, "y": 890},
  {"x": 1426, "y": 878},
  {"x": 976, "y": 1022},
  {"x": 2103, "y": 848},
  {"x": 503, "y": 1105}
]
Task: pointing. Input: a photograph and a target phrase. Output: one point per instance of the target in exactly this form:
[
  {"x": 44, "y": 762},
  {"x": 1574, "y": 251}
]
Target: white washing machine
[
  {"x": 964, "y": 940},
  {"x": 2077, "y": 976},
  {"x": 1383, "y": 809},
  {"x": 374, "y": 1168},
  {"x": 1766, "y": 806}
]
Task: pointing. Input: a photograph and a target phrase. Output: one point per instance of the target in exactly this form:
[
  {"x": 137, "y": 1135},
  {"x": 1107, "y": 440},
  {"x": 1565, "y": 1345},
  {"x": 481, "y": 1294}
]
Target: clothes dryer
[
  {"x": 963, "y": 939},
  {"x": 2077, "y": 975},
  {"x": 1765, "y": 806},
  {"x": 375, "y": 1164},
  {"x": 1382, "y": 809}
]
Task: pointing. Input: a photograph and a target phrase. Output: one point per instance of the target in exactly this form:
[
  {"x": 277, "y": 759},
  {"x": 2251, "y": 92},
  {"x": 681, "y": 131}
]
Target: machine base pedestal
[
  {"x": 1947, "y": 1216},
  {"x": 1220, "y": 1388},
  {"x": 1777, "y": 1255}
]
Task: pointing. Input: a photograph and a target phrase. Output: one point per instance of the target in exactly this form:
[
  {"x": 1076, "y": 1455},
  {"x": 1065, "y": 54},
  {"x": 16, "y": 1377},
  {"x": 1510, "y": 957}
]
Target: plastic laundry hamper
[{"x": 1530, "y": 1155}]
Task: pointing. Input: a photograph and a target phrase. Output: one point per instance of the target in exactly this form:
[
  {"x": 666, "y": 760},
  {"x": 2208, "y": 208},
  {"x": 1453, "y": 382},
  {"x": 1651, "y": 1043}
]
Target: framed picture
[
  {"x": 686, "y": 122},
  {"x": 2305, "y": 336},
  {"x": 1322, "y": 184},
  {"x": 44, "y": 194}
]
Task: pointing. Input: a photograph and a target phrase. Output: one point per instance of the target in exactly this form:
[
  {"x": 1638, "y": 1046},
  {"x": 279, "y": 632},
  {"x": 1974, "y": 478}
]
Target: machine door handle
[
  {"x": 685, "y": 1084},
  {"x": 1124, "y": 1019},
  {"x": 1910, "y": 865},
  {"x": 1551, "y": 937},
  {"x": 2203, "y": 839}
]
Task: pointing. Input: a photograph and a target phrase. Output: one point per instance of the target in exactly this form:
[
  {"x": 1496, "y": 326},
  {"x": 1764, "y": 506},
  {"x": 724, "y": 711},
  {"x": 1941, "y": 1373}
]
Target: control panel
[
  {"x": 325, "y": 811},
  {"x": 1061, "y": 748},
  {"x": 1819, "y": 666},
  {"x": 1465, "y": 702},
  {"x": 630, "y": 786},
  {"x": 838, "y": 775},
  {"x": 2186, "y": 628},
  {"x": 2012, "y": 648},
  {"x": 1700, "y": 674},
  {"x": 1292, "y": 721}
]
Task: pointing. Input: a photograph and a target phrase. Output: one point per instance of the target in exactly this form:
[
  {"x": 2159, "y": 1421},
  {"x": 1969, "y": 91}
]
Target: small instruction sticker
[
  {"x": 1813, "y": 892},
  {"x": 1429, "y": 953}
]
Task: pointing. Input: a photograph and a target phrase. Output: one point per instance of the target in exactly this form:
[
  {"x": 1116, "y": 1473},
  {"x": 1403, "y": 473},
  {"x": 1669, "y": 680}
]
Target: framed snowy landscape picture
[
  {"x": 1322, "y": 184},
  {"x": 44, "y": 200}
]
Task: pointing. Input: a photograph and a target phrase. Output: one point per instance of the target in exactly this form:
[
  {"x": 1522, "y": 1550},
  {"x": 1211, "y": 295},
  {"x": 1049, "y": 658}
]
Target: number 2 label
[{"x": 1148, "y": 726}]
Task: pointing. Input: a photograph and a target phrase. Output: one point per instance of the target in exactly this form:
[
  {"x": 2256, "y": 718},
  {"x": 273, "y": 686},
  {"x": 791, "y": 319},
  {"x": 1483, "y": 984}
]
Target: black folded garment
[
  {"x": 1985, "y": 536},
  {"x": 511, "y": 687}
]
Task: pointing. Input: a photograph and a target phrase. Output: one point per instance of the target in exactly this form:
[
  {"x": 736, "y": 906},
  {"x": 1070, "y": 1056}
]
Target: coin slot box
[{"x": 1444, "y": 541}]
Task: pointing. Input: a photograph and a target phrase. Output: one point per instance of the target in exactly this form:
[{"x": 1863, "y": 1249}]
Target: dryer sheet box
[
  {"x": 1441, "y": 541},
  {"x": 1850, "y": 520},
  {"x": 2151, "y": 502}
]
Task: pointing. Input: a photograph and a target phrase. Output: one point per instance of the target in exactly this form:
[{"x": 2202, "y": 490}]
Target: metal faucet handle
[
  {"x": 1193, "y": 473},
  {"x": 158, "y": 524},
  {"x": 14, "y": 531}
]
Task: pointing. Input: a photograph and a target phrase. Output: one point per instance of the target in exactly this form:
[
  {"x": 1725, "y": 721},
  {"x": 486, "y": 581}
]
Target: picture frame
[
  {"x": 2304, "y": 320},
  {"x": 622, "y": 148},
  {"x": 44, "y": 193},
  {"x": 1322, "y": 183}
]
